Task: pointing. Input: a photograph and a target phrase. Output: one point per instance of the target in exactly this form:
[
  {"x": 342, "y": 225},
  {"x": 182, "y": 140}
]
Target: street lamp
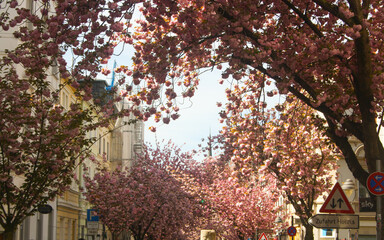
[
  {"x": 349, "y": 188},
  {"x": 278, "y": 222}
]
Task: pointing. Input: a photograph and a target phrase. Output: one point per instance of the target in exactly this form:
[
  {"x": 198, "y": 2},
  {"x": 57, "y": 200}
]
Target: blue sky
[{"x": 197, "y": 121}]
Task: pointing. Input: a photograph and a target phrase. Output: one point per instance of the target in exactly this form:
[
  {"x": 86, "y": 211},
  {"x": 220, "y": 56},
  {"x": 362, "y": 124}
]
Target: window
[
  {"x": 31, "y": 7},
  {"x": 99, "y": 144},
  {"x": 108, "y": 151},
  {"x": 55, "y": 69},
  {"x": 65, "y": 100},
  {"x": 103, "y": 145},
  {"x": 327, "y": 233}
]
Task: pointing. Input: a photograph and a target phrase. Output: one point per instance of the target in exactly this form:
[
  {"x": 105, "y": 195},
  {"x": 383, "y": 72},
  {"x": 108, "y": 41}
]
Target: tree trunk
[
  {"x": 8, "y": 235},
  {"x": 308, "y": 232}
]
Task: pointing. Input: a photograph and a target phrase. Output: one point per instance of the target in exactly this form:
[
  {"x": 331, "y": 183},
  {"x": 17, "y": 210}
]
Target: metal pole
[
  {"x": 378, "y": 207},
  {"x": 337, "y": 234}
]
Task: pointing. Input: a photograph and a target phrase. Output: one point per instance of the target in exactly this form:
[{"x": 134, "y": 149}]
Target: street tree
[
  {"x": 41, "y": 142},
  {"x": 289, "y": 145},
  {"x": 240, "y": 209},
  {"x": 326, "y": 53},
  {"x": 156, "y": 198}
]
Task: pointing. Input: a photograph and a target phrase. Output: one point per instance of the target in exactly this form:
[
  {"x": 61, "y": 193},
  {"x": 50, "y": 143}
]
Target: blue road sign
[
  {"x": 375, "y": 183},
  {"x": 291, "y": 231},
  {"x": 92, "y": 215}
]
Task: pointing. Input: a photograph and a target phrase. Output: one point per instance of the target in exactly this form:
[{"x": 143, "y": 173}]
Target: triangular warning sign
[
  {"x": 336, "y": 202},
  {"x": 263, "y": 237}
]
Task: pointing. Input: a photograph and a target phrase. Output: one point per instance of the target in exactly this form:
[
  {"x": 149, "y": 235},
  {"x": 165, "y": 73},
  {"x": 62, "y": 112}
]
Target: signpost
[
  {"x": 337, "y": 202},
  {"x": 375, "y": 185},
  {"x": 335, "y": 221},
  {"x": 92, "y": 222}
]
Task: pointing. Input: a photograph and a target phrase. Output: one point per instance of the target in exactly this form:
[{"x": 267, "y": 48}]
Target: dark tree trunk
[
  {"x": 8, "y": 234},
  {"x": 308, "y": 232}
]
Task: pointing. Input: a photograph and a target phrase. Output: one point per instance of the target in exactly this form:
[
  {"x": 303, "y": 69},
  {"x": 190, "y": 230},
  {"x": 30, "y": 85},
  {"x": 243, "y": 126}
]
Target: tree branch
[
  {"x": 334, "y": 10},
  {"x": 305, "y": 18}
]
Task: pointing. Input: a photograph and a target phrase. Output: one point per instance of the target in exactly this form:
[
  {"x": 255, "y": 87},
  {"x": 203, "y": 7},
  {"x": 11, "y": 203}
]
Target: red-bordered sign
[
  {"x": 263, "y": 237},
  {"x": 337, "y": 202},
  {"x": 375, "y": 183},
  {"x": 291, "y": 231}
]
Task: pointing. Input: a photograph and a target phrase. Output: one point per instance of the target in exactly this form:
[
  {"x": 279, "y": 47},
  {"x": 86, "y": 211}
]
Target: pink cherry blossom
[{"x": 156, "y": 198}]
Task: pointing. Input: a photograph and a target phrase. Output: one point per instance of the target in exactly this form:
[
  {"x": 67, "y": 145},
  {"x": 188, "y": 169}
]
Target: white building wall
[
  {"x": 127, "y": 140},
  {"x": 39, "y": 226}
]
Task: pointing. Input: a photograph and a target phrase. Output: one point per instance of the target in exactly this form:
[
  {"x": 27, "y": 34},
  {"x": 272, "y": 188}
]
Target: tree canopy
[
  {"x": 157, "y": 198},
  {"x": 326, "y": 53},
  {"x": 289, "y": 146}
]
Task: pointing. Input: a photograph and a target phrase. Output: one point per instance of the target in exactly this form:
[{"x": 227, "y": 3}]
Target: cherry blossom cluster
[
  {"x": 289, "y": 145},
  {"x": 239, "y": 208},
  {"x": 326, "y": 53},
  {"x": 157, "y": 198},
  {"x": 301, "y": 45}
]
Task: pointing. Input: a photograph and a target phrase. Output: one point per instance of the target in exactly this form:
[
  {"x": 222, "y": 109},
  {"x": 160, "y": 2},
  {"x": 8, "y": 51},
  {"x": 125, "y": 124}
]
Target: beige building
[{"x": 118, "y": 144}]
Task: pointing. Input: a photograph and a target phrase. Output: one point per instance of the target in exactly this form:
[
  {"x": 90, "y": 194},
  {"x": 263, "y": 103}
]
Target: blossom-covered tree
[
  {"x": 327, "y": 53},
  {"x": 289, "y": 145},
  {"x": 239, "y": 209},
  {"x": 41, "y": 142},
  {"x": 157, "y": 198}
]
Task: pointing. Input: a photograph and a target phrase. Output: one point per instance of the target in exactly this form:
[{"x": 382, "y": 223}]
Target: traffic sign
[
  {"x": 375, "y": 183},
  {"x": 335, "y": 221},
  {"x": 92, "y": 215},
  {"x": 263, "y": 237},
  {"x": 93, "y": 225},
  {"x": 337, "y": 202},
  {"x": 291, "y": 231},
  {"x": 92, "y": 231}
]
